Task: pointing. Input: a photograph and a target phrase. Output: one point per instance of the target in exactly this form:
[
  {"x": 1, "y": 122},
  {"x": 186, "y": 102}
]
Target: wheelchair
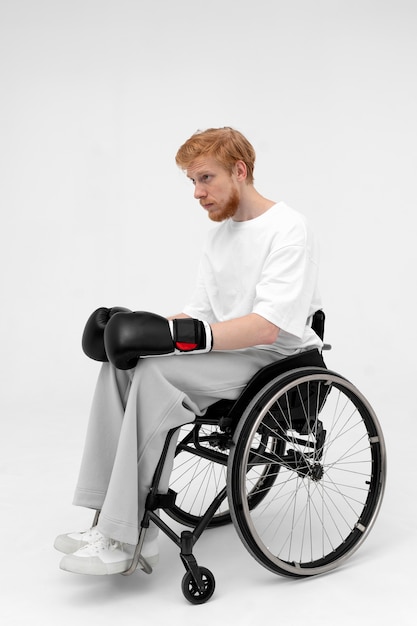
[{"x": 297, "y": 463}]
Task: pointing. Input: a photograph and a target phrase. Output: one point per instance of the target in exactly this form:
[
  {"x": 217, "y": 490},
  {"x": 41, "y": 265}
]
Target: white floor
[{"x": 38, "y": 467}]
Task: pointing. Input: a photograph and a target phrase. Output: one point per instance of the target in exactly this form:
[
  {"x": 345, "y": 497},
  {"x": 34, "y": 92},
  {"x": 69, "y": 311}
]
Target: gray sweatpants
[{"x": 131, "y": 414}]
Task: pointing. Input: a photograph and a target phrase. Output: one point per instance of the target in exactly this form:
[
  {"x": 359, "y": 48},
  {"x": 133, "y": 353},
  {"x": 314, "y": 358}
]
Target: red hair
[{"x": 226, "y": 145}]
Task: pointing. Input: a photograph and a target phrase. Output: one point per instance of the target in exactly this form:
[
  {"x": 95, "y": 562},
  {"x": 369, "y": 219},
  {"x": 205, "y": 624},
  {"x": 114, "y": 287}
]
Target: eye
[{"x": 203, "y": 178}]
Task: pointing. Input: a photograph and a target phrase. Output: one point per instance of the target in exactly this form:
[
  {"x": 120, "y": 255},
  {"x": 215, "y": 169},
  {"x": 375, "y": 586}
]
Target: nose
[{"x": 199, "y": 192}]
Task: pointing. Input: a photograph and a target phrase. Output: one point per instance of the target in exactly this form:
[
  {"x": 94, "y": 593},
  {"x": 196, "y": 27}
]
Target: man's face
[{"x": 215, "y": 188}]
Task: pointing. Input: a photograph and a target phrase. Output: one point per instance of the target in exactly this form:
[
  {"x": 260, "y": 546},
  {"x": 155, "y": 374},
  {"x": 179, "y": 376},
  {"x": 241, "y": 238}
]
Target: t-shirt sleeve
[{"x": 286, "y": 288}]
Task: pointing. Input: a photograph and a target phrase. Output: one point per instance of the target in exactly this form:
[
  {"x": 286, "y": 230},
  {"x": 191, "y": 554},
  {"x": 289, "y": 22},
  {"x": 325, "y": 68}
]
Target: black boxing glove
[
  {"x": 129, "y": 336},
  {"x": 93, "y": 335}
]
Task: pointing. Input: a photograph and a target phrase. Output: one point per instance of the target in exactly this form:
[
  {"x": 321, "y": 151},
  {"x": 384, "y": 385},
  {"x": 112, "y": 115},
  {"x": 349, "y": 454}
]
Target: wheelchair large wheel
[
  {"x": 328, "y": 491},
  {"x": 200, "y": 473}
]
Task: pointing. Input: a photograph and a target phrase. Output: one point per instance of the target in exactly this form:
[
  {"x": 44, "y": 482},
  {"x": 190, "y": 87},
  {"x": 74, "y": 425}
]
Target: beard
[{"x": 228, "y": 210}]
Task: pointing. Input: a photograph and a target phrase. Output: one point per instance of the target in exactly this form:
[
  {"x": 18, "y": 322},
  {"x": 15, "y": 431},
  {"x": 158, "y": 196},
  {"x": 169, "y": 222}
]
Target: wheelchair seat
[
  {"x": 233, "y": 408},
  {"x": 312, "y": 358}
]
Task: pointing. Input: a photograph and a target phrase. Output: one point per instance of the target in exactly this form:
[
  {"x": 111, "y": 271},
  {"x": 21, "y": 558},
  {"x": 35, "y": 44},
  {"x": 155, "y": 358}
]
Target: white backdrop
[{"x": 96, "y": 97}]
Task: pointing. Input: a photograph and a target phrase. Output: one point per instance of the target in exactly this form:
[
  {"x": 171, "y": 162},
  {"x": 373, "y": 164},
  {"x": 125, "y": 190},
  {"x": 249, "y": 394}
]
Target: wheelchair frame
[{"x": 300, "y": 454}]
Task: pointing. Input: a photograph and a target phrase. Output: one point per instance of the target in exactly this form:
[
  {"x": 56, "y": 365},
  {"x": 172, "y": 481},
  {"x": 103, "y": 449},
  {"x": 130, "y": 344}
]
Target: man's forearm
[{"x": 242, "y": 332}]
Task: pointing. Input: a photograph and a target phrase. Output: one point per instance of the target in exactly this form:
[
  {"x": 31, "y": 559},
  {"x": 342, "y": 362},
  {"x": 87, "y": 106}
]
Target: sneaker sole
[{"x": 94, "y": 566}]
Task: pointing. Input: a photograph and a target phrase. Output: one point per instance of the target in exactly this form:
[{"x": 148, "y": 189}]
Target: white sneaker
[
  {"x": 72, "y": 542},
  {"x": 106, "y": 556}
]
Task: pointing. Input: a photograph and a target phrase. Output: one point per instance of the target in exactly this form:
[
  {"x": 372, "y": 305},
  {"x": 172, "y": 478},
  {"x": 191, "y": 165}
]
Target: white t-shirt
[{"x": 267, "y": 265}]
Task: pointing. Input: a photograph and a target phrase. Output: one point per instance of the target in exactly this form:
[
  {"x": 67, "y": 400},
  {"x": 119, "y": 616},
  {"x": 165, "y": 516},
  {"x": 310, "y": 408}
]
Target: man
[{"x": 253, "y": 302}]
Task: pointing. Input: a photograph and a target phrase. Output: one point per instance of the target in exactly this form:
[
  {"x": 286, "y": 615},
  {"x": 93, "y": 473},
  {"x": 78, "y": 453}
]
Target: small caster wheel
[{"x": 191, "y": 590}]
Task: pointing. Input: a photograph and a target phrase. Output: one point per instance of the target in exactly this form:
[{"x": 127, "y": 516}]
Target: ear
[{"x": 240, "y": 170}]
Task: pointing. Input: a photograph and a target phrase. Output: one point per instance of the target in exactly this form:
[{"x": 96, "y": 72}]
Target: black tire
[
  {"x": 329, "y": 489},
  {"x": 190, "y": 588}
]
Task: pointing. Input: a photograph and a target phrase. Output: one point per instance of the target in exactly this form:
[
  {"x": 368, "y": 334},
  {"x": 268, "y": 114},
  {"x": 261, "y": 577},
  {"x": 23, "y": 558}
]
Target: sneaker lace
[{"x": 101, "y": 543}]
